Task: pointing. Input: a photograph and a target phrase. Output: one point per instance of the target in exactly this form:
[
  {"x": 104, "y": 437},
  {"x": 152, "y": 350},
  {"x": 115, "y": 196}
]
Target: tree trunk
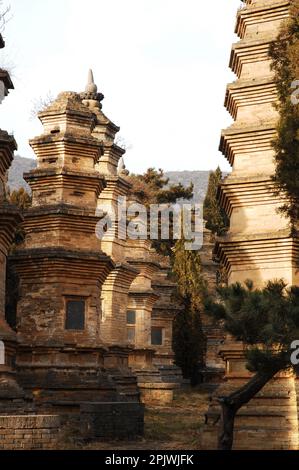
[
  {"x": 231, "y": 404},
  {"x": 226, "y": 432}
]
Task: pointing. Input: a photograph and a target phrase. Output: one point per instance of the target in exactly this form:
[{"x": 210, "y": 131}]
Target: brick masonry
[
  {"x": 97, "y": 421},
  {"x": 55, "y": 366},
  {"x": 111, "y": 420},
  {"x": 29, "y": 432},
  {"x": 259, "y": 245}
]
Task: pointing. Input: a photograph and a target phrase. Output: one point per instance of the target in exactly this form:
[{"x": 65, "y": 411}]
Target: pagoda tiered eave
[
  {"x": 7, "y": 147},
  {"x": 248, "y": 93},
  {"x": 120, "y": 279},
  {"x": 10, "y": 219},
  {"x": 143, "y": 298},
  {"x": 5, "y": 78},
  {"x": 264, "y": 12},
  {"x": 64, "y": 185},
  {"x": 251, "y": 191},
  {"x": 260, "y": 251},
  {"x": 60, "y": 220},
  {"x": 50, "y": 150},
  {"x": 248, "y": 52},
  {"x": 53, "y": 264},
  {"x": 244, "y": 139}
]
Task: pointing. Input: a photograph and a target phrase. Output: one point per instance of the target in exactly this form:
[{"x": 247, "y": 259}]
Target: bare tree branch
[
  {"x": 122, "y": 143},
  {"x": 41, "y": 103},
  {"x": 4, "y": 15}
]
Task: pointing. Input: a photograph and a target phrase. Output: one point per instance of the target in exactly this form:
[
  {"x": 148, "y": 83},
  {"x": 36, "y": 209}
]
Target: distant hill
[
  {"x": 198, "y": 178},
  {"x": 19, "y": 166}
]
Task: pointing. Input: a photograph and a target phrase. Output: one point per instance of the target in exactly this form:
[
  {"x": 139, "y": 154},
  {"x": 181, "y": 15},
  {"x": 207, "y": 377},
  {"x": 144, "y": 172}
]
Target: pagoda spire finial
[
  {"x": 122, "y": 170},
  {"x": 90, "y": 96},
  {"x": 91, "y": 87}
]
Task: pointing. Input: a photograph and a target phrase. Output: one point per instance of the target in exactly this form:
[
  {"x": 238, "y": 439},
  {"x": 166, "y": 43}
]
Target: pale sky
[{"x": 161, "y": 64}]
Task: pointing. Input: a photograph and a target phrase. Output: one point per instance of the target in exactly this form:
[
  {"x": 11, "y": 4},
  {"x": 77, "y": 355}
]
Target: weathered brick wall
[
  {"x": 29, "y": 432},
  {"x": 97, "y": 421}
]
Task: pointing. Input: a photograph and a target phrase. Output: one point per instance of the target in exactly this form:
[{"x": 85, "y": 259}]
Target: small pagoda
[{"x": 62, "y": 358}]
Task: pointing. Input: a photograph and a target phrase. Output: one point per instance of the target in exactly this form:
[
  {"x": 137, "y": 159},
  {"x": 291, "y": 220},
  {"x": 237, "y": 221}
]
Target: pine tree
[
  {"x": 284, "y": 53},
  {"x": 188, "y": 339},
  {"x": 267, "y": 322},
  {"x": 153, "y": 187},
  {"x": 189, "y": 342},
  {"x": 215, "y": 217}
]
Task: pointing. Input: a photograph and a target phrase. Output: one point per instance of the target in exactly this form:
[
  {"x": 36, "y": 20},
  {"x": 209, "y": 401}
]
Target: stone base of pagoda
[
  {"x": 12, "y": 396},
  {"x": 268, "y": 422},
  {"x": 72, "y": 374},
  {"x": 11, "y": 393},
  {"x": 85, "y": 386},
  {"x": 156, "y": 393},
  {"x": 116, "y": 363},
  {"x": 153, "y": 385}
]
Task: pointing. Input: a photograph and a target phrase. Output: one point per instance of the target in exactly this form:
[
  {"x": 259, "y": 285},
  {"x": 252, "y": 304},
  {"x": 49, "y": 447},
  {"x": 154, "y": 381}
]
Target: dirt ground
[{"x": 174, "y": 427}]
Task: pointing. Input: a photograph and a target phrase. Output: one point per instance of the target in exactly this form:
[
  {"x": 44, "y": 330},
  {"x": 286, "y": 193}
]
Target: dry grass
[{"x": 175, "y": 427}]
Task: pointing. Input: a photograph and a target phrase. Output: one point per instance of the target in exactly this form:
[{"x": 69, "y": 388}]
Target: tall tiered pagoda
[{"x": 258, "y": 245}]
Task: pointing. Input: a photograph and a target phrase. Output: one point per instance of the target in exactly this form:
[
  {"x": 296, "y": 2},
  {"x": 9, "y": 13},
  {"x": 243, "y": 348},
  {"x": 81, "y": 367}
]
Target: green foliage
[
  {"x": 285, "y": 62},
  {"x": 188, "y": 339},
  {"x": 216, "y": 219},
  {"x": 189, "y": 342},
  {"x": 187, "y": 268},
  {"x": 153, "y": 188},
  {"x": 265, "y": 320}
]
